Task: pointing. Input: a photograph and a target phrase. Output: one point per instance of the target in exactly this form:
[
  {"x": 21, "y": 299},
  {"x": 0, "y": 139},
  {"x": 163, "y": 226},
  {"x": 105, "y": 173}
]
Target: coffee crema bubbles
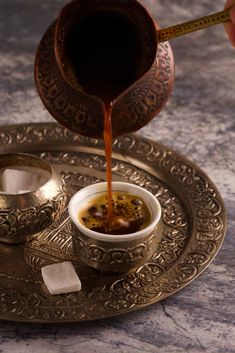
[{"x": 129, "y": 214}]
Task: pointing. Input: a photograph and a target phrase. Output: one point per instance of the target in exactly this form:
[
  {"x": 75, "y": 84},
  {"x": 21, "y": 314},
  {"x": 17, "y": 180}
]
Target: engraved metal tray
[{"x": 193, "y": 228}]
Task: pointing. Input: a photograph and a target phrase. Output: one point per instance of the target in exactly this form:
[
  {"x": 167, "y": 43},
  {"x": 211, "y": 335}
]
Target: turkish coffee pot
[{"x": 100, "y": 51}]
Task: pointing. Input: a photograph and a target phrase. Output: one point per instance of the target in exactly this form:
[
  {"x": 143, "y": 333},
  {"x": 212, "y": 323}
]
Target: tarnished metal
[
  {"x": 22, "y": 215},
  {"x": 193, "y": 228},
  {"x": 194, "y": 25}
]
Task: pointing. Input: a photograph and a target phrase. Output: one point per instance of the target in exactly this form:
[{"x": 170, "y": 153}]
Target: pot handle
[{"x": 166, "y": 34}]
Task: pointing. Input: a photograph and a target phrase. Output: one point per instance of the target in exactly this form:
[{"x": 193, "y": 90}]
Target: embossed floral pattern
[{"x": 192, "y": 230}]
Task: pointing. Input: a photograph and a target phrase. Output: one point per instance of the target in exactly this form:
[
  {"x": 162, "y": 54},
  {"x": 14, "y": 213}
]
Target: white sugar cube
[
  {"x": 61, "y": 278},
  {"x": 16, "y": 181}
]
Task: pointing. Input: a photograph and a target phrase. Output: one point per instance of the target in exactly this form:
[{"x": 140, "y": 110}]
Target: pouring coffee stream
[
  {"x": 108, "y": 153},
  {"x": 104, "y": 68}
]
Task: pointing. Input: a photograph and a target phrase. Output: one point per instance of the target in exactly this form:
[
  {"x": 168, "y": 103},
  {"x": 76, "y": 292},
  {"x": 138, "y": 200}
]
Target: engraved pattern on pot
[
  {"x": 83, "y": 114},
  {"x": 148, "y": 96},
  {"x": 72, "y": 108}
]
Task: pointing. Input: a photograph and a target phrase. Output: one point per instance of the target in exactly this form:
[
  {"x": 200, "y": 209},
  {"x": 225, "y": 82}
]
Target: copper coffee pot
[{"x": 108, "y": 50}]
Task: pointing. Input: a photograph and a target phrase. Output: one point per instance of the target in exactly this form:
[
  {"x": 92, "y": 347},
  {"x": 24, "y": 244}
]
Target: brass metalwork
[
  {"x": 23, "y": 215},
  {"x": 69, "y": 103},
  {"x": 115, "y": 257},
  {"x": 83, "y": 113},
  {"x": 193, "y": 228},
  {"x": 192, "y": 26}
]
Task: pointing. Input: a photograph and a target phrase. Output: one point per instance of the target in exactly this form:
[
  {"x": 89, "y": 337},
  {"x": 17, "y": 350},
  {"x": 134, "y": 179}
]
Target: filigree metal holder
[{"x": 193, "y": 228}]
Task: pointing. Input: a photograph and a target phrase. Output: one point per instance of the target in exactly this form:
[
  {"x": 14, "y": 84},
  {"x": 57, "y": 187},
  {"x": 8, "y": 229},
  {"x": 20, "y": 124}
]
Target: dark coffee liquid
[
  {"x": 130, "y": 214},
  {"x": 105, "y": 51}
]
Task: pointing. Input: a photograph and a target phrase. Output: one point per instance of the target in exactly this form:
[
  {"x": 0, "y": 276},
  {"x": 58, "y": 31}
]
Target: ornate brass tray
[{"x": 193, "y": 228}]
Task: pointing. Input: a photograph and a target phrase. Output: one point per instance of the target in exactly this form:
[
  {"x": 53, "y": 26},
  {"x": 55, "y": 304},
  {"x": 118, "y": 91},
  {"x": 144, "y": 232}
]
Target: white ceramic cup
[{"x": 114, "y": 253}]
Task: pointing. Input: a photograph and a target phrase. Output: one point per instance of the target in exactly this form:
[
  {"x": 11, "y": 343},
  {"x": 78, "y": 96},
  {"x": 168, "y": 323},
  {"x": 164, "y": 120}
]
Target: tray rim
[{"x": 8, "y": 128}]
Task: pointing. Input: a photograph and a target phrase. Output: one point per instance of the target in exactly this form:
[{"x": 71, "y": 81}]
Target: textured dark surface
[{"x": 198, "y": 122}]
